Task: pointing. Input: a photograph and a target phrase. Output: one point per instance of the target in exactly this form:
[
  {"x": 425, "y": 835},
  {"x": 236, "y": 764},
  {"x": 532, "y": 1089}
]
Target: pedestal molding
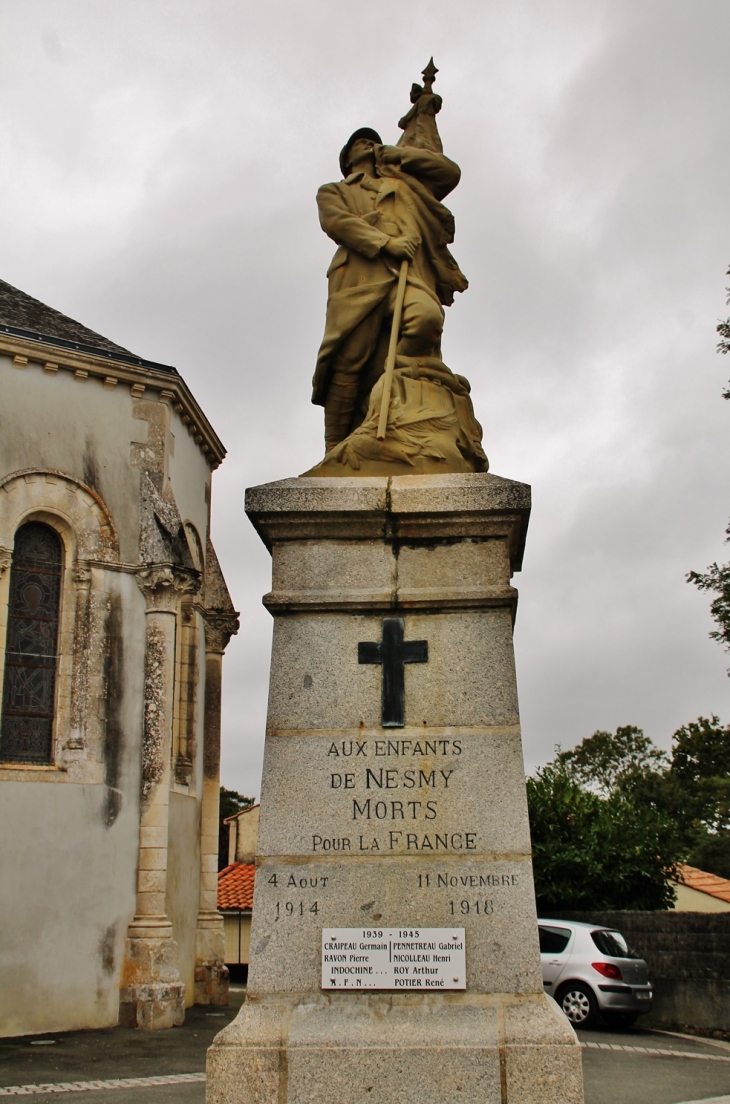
[{"x": 409, "y": 598}]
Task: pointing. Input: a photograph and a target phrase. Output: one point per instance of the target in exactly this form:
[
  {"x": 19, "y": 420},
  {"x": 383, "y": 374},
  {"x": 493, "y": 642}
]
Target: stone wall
[
  {"x": 118, "y": 461},
  {"x": 689, "y": 961}
]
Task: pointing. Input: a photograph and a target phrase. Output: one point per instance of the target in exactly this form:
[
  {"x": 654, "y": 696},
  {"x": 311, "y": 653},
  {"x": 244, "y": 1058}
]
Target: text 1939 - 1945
[{"x": 393, "y": 958}]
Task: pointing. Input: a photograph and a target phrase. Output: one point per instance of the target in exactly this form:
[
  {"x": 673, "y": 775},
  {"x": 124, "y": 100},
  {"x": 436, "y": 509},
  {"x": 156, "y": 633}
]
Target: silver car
[{"x": 590, "y": 971}]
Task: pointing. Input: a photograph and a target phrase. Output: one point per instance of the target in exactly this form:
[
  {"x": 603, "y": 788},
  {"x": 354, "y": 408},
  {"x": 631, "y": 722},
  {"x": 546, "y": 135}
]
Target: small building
[
  {"x": 235, "y": 902},
  {"x": 700, "y": 891},
  {"x": 243, "y": 831},
  {"x": 114, "y": 617},
  {"x": 236, "y": 883}
]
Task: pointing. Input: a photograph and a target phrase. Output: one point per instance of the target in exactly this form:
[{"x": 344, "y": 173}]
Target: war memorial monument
[{"x": 394, "y": 949}]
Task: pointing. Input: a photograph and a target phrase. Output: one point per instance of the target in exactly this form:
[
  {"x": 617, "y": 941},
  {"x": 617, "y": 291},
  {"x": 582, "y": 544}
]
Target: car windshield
[
  {"x": 553, "y": 940},
  {"x": 613, "y": 944}
]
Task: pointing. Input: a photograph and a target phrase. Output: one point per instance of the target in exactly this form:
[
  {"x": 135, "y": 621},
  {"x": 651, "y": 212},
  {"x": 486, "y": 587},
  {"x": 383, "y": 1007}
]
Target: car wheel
[
  {"x": 579, "y": 1004},
  {"x": 620, "y": 1021}
]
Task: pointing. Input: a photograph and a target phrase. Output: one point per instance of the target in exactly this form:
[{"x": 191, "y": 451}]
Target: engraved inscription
[
  {"x": 443, "y": 880},
  {"x": 393, "y": 958},
  {"x": 293, "y": 895},
  {"x": 463, "y": 908},
  {"x": 403, "y": 795},
  {"x": 286, "y": 909},
  {"x": 467, "y": 906}
]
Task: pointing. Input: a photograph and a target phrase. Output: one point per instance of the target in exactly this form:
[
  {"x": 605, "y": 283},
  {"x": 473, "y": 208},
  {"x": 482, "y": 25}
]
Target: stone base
[
  {"x": 152, "y": 1007},
  {"x": 211, "y": 972},
  {"x": 367, "y": 821},
  {"x": 151, "y": 995},
  {"x": 211, "y": 983},
  {"x": 396, "y": 1049},
  {"x": 431, "y": 428}
]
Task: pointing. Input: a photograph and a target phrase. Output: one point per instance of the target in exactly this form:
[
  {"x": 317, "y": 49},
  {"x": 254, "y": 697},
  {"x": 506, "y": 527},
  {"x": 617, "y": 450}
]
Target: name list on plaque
[{"x": 393, "y": 958}]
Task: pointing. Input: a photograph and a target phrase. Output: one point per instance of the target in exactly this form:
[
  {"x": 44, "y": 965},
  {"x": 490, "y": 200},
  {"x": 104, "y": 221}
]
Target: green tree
[
  {"x": 716, "y": 579},
  {"x": 592, "y": 852},
  {"x": 604, "y": 762},
  {"x": 613, "y": 786},
  {"x": 723, "y": 328},
  {"x": 698, "y": 785},
  {"x": 230, "y": 802},
  {"x": 701, "y": 767},
  {"x": 711, "y": 851}
]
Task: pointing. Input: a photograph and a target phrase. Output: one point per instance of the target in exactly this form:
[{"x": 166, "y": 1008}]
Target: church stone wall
[
  {"x": 68, "y": 892},
  {"x": 183, "y": 882},
  {"x": 70, "y": 830},
  {"x": 79, "y": 450},
  {"x": 78, "y": 427},
  {"x": 189, "y": 478},
  {"x": 69, "y": 861}
]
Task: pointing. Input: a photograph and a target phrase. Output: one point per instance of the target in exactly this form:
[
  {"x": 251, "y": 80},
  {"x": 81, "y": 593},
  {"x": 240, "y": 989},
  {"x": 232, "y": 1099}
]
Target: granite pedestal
[{"x": 419, "y": 823}]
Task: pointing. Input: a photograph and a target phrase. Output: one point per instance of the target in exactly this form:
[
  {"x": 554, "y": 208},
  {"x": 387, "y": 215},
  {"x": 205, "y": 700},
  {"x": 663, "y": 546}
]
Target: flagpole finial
[
  {"x": 419, "y": 125},
  {"x": 429, "y": 76}
]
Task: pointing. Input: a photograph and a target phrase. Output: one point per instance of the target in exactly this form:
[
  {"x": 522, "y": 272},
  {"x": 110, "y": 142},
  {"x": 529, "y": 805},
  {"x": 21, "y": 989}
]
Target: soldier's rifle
[{"x": 392, "y": 345}]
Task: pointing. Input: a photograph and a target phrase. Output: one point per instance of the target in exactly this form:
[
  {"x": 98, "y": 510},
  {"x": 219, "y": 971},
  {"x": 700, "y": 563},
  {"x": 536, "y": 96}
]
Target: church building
[{"x": 114, "y": 617}]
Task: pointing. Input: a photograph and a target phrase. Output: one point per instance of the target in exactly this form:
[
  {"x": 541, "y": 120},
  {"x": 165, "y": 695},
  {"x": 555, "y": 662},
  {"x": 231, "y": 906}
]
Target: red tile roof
[
  {"x": 235, "y": 886},
  {"x": 704, "y": 882}
]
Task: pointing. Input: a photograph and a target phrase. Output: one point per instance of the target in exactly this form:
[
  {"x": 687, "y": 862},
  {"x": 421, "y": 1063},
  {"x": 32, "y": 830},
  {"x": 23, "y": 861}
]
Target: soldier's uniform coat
[{"x": 361, "y": 213}]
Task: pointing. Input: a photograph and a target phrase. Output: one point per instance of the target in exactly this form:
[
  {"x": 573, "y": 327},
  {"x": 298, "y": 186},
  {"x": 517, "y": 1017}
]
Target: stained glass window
[{"x": 26, "y": 731}]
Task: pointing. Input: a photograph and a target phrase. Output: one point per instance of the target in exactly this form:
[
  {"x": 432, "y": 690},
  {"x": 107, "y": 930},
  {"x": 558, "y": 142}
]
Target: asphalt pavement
[
  {"x": 640, "y": 1066},
  {"x": 122, "y": 1066},
  {"x": 114, "y": 1054}
]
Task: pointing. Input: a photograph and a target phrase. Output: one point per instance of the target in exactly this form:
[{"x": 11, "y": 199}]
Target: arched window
[{"x": 26, "y": 731}]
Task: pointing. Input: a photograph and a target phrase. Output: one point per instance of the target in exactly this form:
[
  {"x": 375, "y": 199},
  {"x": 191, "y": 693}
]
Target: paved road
[
  {"x": 631, "y": 1067},
  {"x": 648, "y": 1069},
  {"x": 117, "y": 1053}
]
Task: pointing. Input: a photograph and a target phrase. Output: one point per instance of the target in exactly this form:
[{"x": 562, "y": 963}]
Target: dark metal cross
[{"x": 391, "y": 654}]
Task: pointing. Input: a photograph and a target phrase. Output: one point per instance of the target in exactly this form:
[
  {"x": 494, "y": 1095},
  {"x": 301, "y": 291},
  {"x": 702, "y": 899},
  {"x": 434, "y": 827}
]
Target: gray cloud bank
[{"x": 158, "y": 180}]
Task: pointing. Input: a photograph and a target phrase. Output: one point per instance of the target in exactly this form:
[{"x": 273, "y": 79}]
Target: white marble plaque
[{"x": 393, "y": 958}]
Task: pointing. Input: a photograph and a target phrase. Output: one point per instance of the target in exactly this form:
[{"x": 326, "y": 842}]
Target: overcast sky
[{"x": 160, "y": 160}]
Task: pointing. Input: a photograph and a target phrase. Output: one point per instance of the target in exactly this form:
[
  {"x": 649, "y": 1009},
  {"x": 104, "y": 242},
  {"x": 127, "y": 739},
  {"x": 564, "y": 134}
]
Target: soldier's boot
[
  {"x": 339, "y": 408},
  {"x": 421, "y": 325}
]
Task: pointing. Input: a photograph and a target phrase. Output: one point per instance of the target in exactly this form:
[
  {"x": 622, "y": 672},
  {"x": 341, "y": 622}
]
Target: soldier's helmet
[{"x": 363, "y": 132}]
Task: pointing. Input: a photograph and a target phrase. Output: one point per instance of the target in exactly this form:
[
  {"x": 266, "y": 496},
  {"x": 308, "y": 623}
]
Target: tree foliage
[
  {"x": 716, "y": 579},
  {"x": 604, "y": 762},
  {"x": 701, "y": 767},
  {"x": 723, "y": 328},
  {"x": 612, "y": 817},
  {"x": 592, "y": 852}
]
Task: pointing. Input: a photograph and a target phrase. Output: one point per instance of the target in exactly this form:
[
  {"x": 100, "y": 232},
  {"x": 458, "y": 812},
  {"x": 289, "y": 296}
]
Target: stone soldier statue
[{"x": 387, "y": 208}]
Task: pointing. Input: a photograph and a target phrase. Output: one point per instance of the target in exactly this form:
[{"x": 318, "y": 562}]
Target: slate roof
[
  {"x": 20, "y": 311},
  {"x": 235, "y": 886},
  {"x": 704, "y": 882}
]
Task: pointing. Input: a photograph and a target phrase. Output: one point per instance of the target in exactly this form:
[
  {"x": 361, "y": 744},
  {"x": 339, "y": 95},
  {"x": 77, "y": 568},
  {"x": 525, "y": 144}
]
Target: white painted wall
[
  {"x": 55, "y": 421},
  {"x": 238, "y": 936},
  {"x": 189, "y": 473},
  {"x": 694, "y": 900},
  {"x": 68, "y": 869},
  {"x": 243, "y": 834},
  {"x": 68, "y": 875}
]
